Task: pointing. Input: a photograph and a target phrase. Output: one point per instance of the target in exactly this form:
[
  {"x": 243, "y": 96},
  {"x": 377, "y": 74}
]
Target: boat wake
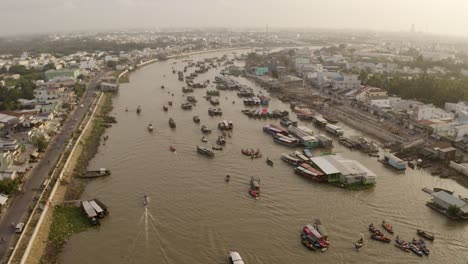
[{"x": 149, "y": 224}]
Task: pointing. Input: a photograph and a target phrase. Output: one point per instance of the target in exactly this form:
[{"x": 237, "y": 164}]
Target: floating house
[{"x": 345, "y": 171}]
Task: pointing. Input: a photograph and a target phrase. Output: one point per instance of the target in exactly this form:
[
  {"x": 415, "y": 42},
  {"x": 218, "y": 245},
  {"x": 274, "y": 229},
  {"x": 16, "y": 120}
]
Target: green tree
[
  {"x": 41, "y": 143},
  {"x": 7, "y": 186},
  {"x": 453, "y": 210}
]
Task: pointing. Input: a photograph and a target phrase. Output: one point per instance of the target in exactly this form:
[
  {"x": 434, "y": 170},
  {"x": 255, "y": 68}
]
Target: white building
[
  {"x": 456, "y": 107},
  {"x": 381, "y": 102},
  {"x": 429, "y": 111},
  {"x": 88, "y": 64},
  {"x": 347, "y": 82},
  {"x": 47, "y": 94}
]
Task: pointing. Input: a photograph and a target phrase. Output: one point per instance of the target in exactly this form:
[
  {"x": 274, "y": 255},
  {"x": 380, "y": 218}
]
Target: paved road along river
[{"x": 195, "y": 217}]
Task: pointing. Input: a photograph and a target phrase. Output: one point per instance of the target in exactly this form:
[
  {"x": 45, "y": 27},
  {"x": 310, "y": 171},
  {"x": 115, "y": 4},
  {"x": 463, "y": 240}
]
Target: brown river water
[{"x": 195, "y": 217}]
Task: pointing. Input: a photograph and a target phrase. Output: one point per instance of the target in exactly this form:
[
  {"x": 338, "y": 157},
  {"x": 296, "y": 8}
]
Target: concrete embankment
[{"x": 38, "y": 243}]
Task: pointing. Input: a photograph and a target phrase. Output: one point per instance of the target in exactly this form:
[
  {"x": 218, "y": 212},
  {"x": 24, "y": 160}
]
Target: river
[{"x": 195, "y": 217}]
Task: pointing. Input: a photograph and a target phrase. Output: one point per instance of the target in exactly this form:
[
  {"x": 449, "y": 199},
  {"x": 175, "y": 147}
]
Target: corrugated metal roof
[
  {"x": 325, "y": 165},
  {"x": 450, "y": 199}
]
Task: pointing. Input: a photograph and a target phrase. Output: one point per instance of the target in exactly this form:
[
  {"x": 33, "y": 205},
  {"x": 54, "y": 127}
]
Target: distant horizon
[
  {"x": 48, "y": 16},
  {"x": 213, "y": 28}
]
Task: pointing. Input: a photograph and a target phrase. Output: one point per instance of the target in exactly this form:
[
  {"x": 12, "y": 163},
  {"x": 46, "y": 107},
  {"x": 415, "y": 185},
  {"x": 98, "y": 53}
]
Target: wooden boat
[
  {"x": 322, "y": 242},
  {"x": 307, "y": 153},
  {"x": 330, "y": 119},
  {"x": 172, "y": 148},
  {"x": 401, "y": 244},
  {"x": 443, "y": 190},
  {"x": 290, "y": 160},
  {"x": 416, "y": 250},
  {"x": 235, "y": 258},
  {"x": 205, "y": 130},
  {"x": 221, "y": 140},
  {"x": 254, "y": 188},
  {"x": 204, "y": 139},
  {"x": 359, "y": 243},
  {"x": 172, "y": 123},
  {"x": 205, "y": 151},
  {"x": 150, "y": 127},
  {"x": 196, "y": 119},
  {"x": 380, "y": 238},
  {"x": 186, "y": 106},
  {"x": 375, "y": 231},
  {"x": 269, "y": 162},
  {"x": 169, "y": 103},
  {"x": 126, "y": 109},
  {"x": 162, "y": 87},
  {"x": 421, "y": 244},
  {"x": 102, "y": 205},
  {"x": 308, "y": 244},
  {"x": 217, "y": 148},
  {"x": 138, "y": 109},
  {"x": 425, "y": 235},
  {"x": 388, "y": 227},
  {"x": 95, "y": 173},
  {"x": 214, "y": 101},
  {"x": 165, "y": 108},
  {"x": 228, "y": 178}
]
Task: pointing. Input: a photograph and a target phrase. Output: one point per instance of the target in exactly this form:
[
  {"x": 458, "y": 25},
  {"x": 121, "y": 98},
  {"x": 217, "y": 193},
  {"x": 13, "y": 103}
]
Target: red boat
[
  {"x": 254, "y": 188},
  {"x": 172, "y": 148},
  {"x": 387, "y": 226}
]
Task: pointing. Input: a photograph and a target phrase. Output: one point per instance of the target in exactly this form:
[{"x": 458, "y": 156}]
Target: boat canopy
[
  {"x": 88, "y": 209},
  {"x": 235, "y": 257},
  {"x": 313, "y": 231},
  {"x": 96, "y": 207}
]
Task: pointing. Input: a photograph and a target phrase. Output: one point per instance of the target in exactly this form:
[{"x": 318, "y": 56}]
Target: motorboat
[
  {"x": 235, "y": 258},
  {"x": 165, "y": 108},
  {"x": 172, "y": 148},
  {"x": 205, "y": 130},
  {"x": 205, "y": 151},
  {"x": 204, "y": 139},
  {"x": 387, "y": 226},
  {"x": 145, "y": 200},
  {"x": 425, "y": 234},
  {"x": 254, "y": 188},
  {"x": 196, "y": 119},
  {"x": 269, "y": 162},
  {"x": 150, "y": 127},
  {"x": 172, "y": 123},
  {"x": 138, "y": 109}
]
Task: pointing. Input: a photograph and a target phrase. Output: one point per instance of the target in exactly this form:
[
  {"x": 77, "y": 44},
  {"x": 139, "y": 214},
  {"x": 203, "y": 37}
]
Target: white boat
[
  {"x": 235, "y": 258},
  {"x": 336, "y": 130}
]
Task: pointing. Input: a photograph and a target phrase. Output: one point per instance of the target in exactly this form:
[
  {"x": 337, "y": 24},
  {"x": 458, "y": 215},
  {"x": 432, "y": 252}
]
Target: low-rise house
[
  {"x": 6, "y": 159},
  {"x": 443, "y": 201},
  {"x": 290, "y": 81},
  {"x": 109, "y": 87},
  {"x": 456, "y": 108},
  {"x": 368, "y": 92},
  {"x": 429, "y": 111},
  {"x": 62, "y": 74},
  {"x": 346, "y": 82}
]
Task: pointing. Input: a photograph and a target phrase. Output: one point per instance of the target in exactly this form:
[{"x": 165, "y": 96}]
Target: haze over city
[{"x": 433, "y": 16}]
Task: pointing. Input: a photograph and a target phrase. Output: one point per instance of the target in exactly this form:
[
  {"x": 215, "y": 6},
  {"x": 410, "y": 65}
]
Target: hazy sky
[{"x": 436, "y": 16}]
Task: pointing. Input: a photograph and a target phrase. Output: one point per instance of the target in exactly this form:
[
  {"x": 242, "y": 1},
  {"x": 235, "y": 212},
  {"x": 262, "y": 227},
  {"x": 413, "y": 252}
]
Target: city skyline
[{"x": 48, "y": 16}]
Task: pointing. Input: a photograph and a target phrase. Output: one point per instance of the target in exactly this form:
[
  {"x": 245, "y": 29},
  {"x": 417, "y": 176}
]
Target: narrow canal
[{"x": 195, "y": 217}]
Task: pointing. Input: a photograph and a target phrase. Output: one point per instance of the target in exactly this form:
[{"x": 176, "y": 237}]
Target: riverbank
[{"x": 44, "y": 247}]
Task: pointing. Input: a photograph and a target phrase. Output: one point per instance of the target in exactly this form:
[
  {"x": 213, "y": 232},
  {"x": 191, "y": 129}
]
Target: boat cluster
[
  {"x": 252, "y": 153},
  {"x": 94, "y": 210},
  {"x": 264, "y": 113},
  {"x": 419, "y": 247},
  {"x": 315, "y": 237}
]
